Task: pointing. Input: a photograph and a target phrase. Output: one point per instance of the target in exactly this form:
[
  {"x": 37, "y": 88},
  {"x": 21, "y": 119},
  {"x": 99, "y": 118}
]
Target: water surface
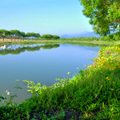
[{"x": 40, "y": 63}]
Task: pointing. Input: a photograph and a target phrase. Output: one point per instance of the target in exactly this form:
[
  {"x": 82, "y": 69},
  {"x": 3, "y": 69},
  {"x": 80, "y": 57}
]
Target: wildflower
[
  {"x": 112, "y": 89},
  {"x": 77, "y": 67},
  {"x": 101, "y": 72},
  {"x": 113, "y": 82},
  {"x": 25, "y": 101},
  {"x": 101, "y": 85},
  {"x": 8, "y": 92},
  {"x": 68, "y": 73},
  {"x": 90, "y": 66},
  {"x": 106, "y": 77}
]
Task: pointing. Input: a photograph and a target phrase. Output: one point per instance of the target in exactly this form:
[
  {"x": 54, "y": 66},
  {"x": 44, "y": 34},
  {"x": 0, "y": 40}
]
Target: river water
[{"x": 40, "y": 63}]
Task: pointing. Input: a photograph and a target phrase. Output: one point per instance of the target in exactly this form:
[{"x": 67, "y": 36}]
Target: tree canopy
[
  {"x": 48, "y": 36},
  {"x": 104, "y": 15},
  {"x": 20, "y": 34},
  {"x": 32, "y": 35},
  {"x": 15, "y": 33},
  {"x": 3, "y": 32}
]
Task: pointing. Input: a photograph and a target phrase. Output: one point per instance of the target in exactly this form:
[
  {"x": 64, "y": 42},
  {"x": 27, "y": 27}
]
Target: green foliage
[
  {"x": 3, "y": 33},
  {"x": 85, "y": 94},
  {"x": 23, "y": 34},
  {"x": 55, "y": 37},
  {"x": 112, "y": 37},
  {"x": 81, "y": 38},
  {"x": 15, "y": 33},
  {"x": 49, "y": 37},
  {"x": 32, "y": 35},
  {"x": 104, "y": 15}
]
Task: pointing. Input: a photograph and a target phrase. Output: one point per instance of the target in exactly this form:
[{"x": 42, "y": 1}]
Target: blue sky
[{"x": 44, "y": 16}]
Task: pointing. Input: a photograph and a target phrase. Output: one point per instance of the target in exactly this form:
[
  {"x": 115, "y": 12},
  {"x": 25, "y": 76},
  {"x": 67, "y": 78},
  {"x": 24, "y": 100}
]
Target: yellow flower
[
  {"x": 25, "y": 101},
  {"x": 77, "y": 67},
  {"x": 101, "y": 72},
  {"x": 106, "y": 77},
  {"x": 113, "y": 82},
  {"x": 68, "y": 73},
  {"x": 101, "y": 85},
  {"x": 112, "y": 89},
  {"x": 90, "y": 66}
]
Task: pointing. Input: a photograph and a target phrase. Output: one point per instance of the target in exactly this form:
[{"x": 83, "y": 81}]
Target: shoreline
[
  {"x": 94, "y": 42},
  {"x": 97, "y": 71}
]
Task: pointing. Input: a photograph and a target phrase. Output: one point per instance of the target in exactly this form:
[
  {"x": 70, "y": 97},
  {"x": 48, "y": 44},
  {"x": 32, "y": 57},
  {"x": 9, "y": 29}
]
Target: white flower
[{"x": 8, "y": 92}]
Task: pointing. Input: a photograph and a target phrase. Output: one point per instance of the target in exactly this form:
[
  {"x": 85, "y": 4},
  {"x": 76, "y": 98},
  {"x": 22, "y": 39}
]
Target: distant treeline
[
  {"x": 111, "y": 37},
  {"x": 16, "y": 34}
]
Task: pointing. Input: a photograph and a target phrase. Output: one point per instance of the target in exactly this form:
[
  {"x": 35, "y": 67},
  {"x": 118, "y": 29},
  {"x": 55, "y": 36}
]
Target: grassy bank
[
  {"x": 93, "y": 93},
  {"x": 62, "y": 41}
]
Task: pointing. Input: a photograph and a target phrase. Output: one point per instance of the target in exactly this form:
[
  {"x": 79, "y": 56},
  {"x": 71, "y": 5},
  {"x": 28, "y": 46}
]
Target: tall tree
[
  {"x": 16, "y": 33},
  {"x": 104, "y": 15},
  {"x": 23, "y": 34},
  {"x": 3, "y": 33},
  {"x": 55, "y": 37},
  {"x": 36, "y": 35},
  {"x": 47, "y": 36},
  {"x": 32, "y": 34}
]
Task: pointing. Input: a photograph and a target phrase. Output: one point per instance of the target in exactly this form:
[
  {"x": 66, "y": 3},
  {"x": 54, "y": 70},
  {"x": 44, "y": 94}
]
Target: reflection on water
[
  {"x": 3, "y": 47},
  {"x": 17, "y": 49},
  {"x": 40, "y": 63}
]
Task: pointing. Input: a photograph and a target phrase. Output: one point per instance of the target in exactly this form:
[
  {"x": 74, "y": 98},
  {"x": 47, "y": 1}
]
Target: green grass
[
  {"x": 93, "y": 93},
  {"x": 89, "y": 40}
]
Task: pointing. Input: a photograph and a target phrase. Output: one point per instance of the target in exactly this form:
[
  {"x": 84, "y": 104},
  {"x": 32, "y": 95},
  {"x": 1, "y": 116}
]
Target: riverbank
[
  {"x": 59, "y": 41},
  {"x": 91, "y": 94}
]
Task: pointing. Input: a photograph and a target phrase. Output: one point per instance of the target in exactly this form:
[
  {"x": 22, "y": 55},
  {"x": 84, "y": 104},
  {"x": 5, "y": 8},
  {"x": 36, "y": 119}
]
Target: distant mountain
[{"x": 85, "y": 34}]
